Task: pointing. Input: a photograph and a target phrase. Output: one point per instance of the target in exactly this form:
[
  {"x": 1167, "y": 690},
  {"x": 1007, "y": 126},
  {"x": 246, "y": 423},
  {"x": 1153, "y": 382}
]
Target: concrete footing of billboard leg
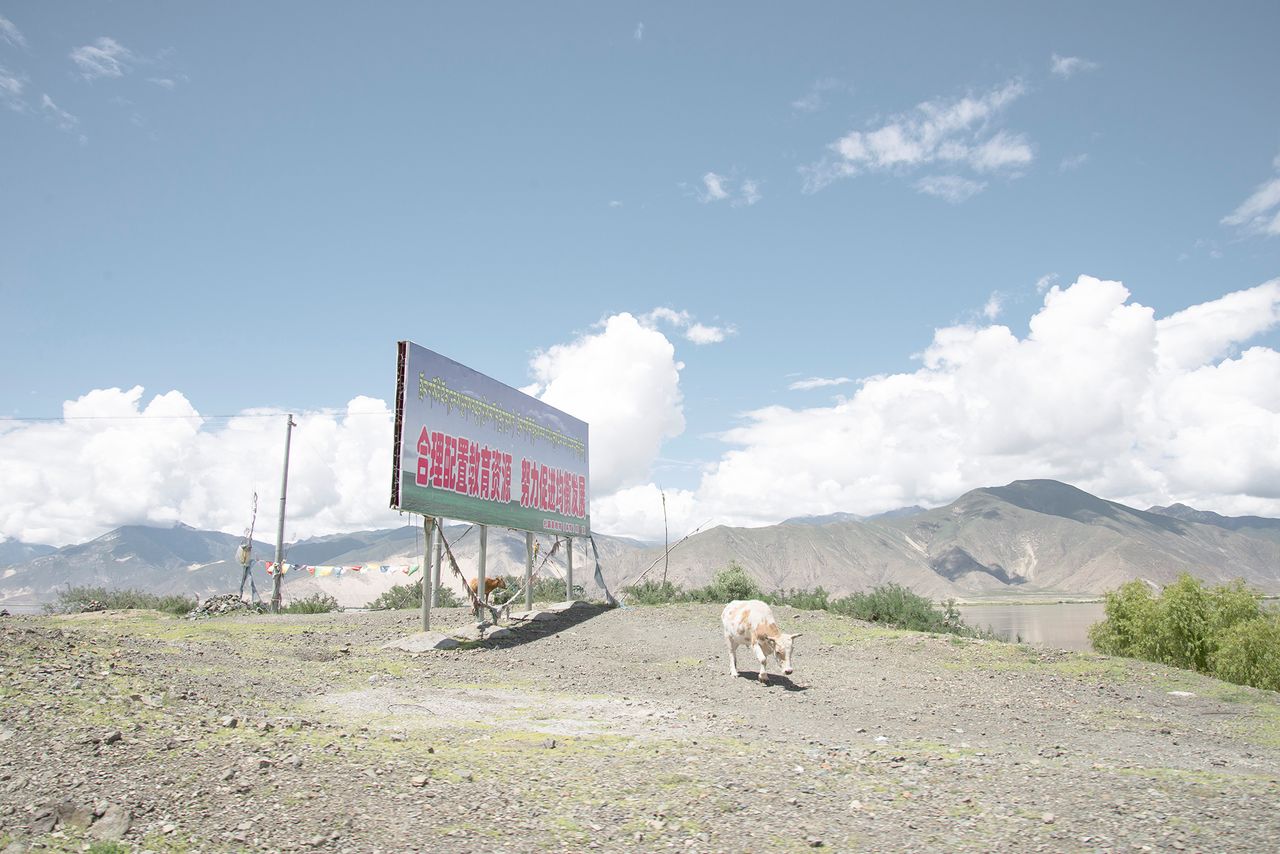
[
  {"x": 528, "y": 571},
  {"x": 568, "y": 571}
]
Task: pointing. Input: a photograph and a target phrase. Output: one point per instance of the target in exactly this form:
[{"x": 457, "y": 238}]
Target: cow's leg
[
  {"x": 764, "y": 660},
  {"x": 732, "y": 643}
]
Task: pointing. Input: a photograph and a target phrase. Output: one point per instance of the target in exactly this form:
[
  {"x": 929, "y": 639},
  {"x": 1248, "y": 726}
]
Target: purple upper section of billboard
[{"x": 469, "y": 447}]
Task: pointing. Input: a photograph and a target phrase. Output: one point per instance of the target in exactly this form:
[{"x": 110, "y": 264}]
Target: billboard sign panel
[{"x": 469, "y": 447}]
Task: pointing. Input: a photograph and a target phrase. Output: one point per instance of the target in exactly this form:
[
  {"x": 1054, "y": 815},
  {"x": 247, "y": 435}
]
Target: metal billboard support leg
[
  {"x": 484, "y": 554},
  {"x": 435, "y": 567},
  {"x": 528, "y": 571},
  {"x": 568, "y": 573},
  {"x": 428, "y": 572}
]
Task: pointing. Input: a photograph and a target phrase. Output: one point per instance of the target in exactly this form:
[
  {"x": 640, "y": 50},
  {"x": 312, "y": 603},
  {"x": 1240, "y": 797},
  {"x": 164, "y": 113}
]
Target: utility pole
[
  {"x": 284, "y": 487},
  {"x": 666, "y": 539}
]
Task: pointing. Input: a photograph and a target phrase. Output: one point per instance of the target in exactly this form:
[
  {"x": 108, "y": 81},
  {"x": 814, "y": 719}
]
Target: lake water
[
  {"x": 23, "y": 609},
  {"x": 1059, "y": 625}
]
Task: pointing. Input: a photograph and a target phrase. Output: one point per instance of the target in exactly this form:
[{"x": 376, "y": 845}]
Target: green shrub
[
  {"x": 816, "y": 599},
  {"x": 727, "y": 585},
  {"x": 895, "y": 605},
  {"x": 1248, "y": 653},
  {"x": 1222, "y": 631},
  {"x": 72, "y": 600},
  {"x": 107, "y": 847},
  {"x": 316, "y": 603},
  {"x": 547, "y": 589},
  {"x": 404, "y": 596},
  {"x": 445, "y": 598},
  {"x": 1130, "y": 614},
  {"x": 653, "y": 593}
]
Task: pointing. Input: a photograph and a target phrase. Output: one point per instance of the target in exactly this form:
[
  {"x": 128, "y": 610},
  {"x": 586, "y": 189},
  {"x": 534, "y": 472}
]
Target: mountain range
[{"x": 1030, "y": 537}]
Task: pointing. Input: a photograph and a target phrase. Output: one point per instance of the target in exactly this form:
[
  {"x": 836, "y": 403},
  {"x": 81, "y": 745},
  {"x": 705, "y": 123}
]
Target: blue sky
[{"x": 250, "y": 203}]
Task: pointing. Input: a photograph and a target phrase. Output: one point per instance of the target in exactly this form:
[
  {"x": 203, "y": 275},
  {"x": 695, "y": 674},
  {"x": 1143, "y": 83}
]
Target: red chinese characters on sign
[
  {"x": 457, "y": 464},
  {"x": 552, "y": 490}
]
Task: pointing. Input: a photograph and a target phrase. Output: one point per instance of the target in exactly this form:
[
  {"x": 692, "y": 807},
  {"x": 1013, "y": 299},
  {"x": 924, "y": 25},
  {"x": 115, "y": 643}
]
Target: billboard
[{"x": 469, "y": 447}]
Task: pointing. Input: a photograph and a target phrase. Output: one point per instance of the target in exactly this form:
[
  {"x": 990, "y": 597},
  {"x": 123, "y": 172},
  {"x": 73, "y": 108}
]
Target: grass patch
[
  {"x": 316, "y": 603},
  {"x": 75, "y": 600}
]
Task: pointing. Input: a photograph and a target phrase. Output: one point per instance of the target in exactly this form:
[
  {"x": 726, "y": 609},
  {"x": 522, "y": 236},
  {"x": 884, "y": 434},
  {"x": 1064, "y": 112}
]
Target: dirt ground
[{"x": 612, "y": 730}]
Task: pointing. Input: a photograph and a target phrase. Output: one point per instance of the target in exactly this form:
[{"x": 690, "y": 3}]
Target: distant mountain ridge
[
  {"x": 181, "y": 559},
  {"x": 830, "y": 518},
  {"x": 1030, "y": 536},
  {"x": 16, "y": 551},
  {"x": 1027, "y": 537},
  {"x": 1256, "y": 525}
]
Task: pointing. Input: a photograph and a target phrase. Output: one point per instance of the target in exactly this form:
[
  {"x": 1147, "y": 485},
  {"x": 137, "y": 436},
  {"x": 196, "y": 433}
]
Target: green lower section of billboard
[{"x": 450, "y": 505}]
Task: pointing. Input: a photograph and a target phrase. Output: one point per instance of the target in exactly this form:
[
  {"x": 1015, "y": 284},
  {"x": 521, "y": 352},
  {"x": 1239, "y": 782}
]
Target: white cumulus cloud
[
  {"x": 121, "y": 458},
  {"x": 106, "y": 466},
  {"x": 1100, "y": 392},
  {"x": 624, "y": 380}
]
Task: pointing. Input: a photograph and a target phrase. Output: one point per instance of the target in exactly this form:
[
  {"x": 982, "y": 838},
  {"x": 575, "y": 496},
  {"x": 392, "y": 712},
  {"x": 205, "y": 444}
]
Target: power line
[{"x": 17, "y": 419}]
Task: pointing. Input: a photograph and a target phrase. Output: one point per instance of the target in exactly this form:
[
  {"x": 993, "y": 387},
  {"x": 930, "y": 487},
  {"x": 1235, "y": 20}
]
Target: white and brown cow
[{"x": 751, "y": 623}]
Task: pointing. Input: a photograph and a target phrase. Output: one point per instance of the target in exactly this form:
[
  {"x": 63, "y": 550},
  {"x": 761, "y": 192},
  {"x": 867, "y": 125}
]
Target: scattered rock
[
  {"x": 1180, "y": 694},
  {"x": 229, "y": 722},
  {"x": 422, "y": 642},
  {"x": 549, "y": 743},
  {"x": 113, "y": 825},
  {"x": 419, "y": 780},
  {"x": 112, "y": 737},
  {"x": 221, "y": 606},
  {"x": 1048, "y": 818}
]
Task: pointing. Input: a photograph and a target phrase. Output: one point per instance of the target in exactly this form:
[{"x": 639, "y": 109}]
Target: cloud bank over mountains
[{"x": 1100, "y": 392}]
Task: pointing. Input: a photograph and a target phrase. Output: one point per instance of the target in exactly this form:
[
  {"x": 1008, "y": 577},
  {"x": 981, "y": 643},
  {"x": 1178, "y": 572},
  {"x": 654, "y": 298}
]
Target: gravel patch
[{"x": 611, "y": 730}]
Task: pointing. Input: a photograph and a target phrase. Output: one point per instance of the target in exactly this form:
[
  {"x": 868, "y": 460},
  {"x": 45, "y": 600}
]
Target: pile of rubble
[
  {"x": 221, "y": 606},
  {"x": 91, "y": 606}
]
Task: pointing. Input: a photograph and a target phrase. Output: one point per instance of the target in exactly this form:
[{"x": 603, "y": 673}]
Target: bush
[
  {"x": 1130, "y": 612},
  {"x": 729, "y": 584},
  {"x": 74, "y": 599},
  {"x": 816, "y": 599},
  {"x": 1248, "y": 653},
  {"x": 316, "y": 603},
  {"x": 1222, "y": 631},
  {"x": 654, "y": 593},
  {"x": 547, "y": 589},
  {"x": 894, "y": 605},
  {"x": 404, "y": 596}
]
